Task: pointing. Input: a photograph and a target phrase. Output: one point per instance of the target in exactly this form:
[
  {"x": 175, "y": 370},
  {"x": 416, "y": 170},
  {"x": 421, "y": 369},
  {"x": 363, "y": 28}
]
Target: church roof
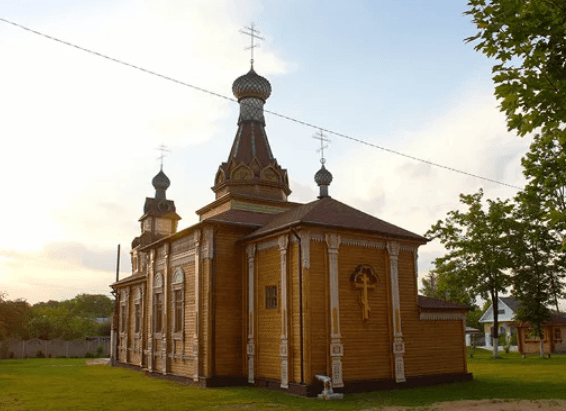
[
  {"x": 241, "y": 217},
  {"x": 428, "y": 303},
  {"x": 328, "y": 212}
]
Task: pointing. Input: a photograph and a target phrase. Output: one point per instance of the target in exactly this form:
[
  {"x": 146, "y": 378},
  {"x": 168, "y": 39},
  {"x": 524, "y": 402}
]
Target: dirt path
[{"x": 489, "y": 405}]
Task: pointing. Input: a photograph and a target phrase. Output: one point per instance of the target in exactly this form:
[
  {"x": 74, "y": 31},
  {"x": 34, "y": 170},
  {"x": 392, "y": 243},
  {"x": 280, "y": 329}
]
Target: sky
[{"x": 80, "y": 133}]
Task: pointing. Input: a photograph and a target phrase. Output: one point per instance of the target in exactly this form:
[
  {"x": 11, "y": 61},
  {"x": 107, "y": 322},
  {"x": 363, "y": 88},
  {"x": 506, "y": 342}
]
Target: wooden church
[{"x": 268, "y": 292}]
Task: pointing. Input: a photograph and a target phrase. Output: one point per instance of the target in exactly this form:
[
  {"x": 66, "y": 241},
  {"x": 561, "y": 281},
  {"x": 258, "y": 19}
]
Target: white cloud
[{"x": 472, "y": 137}]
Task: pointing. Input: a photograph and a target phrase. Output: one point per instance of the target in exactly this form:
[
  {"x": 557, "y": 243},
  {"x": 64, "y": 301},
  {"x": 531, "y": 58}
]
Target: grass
[{"x": 68, "y": 384}]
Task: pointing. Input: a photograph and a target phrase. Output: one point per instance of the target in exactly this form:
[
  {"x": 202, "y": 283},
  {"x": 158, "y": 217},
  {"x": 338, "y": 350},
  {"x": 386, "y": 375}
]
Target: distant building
[
  {"x": 554, "y": 330},
  {"x": 506, "y": 318},
  {"x": 267, "y": 292}
]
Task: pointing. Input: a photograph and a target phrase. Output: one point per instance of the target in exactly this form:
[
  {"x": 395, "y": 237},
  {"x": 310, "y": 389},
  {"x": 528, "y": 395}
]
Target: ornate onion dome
[
  {"x": 251, "y": 168},
  {"x": 251, "y": 85},
  {"x": 161, "y": 183},
  {"x": 323, "y": 178}
]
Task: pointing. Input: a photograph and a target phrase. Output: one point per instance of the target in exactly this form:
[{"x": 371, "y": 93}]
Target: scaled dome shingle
[{"x": 251, "y": 85}]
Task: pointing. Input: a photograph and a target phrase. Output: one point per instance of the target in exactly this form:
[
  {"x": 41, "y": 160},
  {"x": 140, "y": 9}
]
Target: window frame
[
  {"x": 271, "y": 297},
  {"x": 178, "y": 303},
  {"x": 157, "y": 308}
]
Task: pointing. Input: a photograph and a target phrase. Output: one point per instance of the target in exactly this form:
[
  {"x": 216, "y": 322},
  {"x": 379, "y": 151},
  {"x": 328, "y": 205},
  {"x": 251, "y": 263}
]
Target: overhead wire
[{"x": 304, "y": 123}]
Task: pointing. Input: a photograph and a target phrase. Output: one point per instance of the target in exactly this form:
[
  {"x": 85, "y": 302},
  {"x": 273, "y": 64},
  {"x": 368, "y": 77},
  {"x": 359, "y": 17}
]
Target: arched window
[
  {"x": 178, "y": 290},
  {"x": 158, "y": 303}
]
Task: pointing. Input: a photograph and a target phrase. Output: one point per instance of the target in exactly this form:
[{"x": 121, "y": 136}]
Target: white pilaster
[
  {"x": 398, "y": 344},
  {"x": 336, "y": 347},
  {"x": 284, "y": 345},
  {"x": 251, "y": 249},
  {"x": 196, "y": 340},
  {"x": 165, "y": 332},
  {"x": 151, "y": 278}
]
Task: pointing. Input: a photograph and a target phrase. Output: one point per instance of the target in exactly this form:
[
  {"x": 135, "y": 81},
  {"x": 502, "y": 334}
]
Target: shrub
[
  {"x": 89, "y": 355},
  {"x": 40, "y": 354},
  {"x": 99, "y": 351}
]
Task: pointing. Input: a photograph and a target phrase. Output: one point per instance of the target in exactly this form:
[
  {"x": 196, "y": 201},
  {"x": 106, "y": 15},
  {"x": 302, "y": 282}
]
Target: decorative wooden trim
[
  {"x": 306, "y": 248},
  {"x": 251, "y": 251},
  {"x": 196, "y": 352},
  {"x": 359, "y": 242},
  {"x": 441, "y": 316},
  {"x": 208, "y": 243},
  {"x": 264, "y": 245},
  {"x": 336, "y": 346},
  {"x": 393, "y": 249},
  {"x": 317, "y": 236},
  {"x": 283, "y": 242},
  {"x": 410, "y": 248}
]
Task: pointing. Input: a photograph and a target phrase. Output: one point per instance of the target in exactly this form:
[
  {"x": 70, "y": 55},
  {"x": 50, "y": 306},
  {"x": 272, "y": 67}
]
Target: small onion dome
[
  {"x": 161, "y": 181},
  {"x": 323, "y": 177},
  {"x": 251, "y": 85}
]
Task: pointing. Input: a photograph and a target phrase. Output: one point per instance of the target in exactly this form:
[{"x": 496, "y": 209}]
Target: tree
[
  {"x": 477, "y": 243},
  {"x": 446, "y": 283},
  {"x": 544, "y": 167},
  {"x": 539, "y": 263},
  {"x": 528, "y": 40},
  {"x": 13, "y": 317},
  {"x": 91, "y": 305}
]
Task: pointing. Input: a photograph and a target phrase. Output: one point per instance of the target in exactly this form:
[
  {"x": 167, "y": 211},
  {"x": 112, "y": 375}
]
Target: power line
[{"x": 304, "y": 123}]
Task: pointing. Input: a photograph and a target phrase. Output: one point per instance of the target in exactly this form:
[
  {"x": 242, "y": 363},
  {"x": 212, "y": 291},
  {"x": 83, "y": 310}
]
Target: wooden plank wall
[
  {"x": 184, "y": 346},
  {"x": 294, "y": 314},
  {"x": 317, "y": 311},
  {"x": 431, "y": 347},
  {"x": 228, "y": 297},
  {"x": 268, "y": 323},
  {"x": 367, "y": 344}
]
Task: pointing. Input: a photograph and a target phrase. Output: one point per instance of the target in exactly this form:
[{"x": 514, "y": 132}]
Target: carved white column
[
  {"x": 251, "y": 314},
  {"x": 336, "y": 347},
  {"x": 151, "y": 320},
  {"x": 196, "y": 351},
  {"x": 284, "y": 345},
  {"x": 306, "y": 248},
  {"x": 398, "y": 344},
  {"x": 164, "y": 342}
]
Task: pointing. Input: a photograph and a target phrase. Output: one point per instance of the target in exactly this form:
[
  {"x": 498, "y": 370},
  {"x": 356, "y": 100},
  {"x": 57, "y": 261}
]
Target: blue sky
[{"x": 80, "y": 132}]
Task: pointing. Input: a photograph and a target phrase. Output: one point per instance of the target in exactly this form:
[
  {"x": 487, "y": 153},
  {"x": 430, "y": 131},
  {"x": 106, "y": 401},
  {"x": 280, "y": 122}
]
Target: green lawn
[{"x": 68, "y": 384}]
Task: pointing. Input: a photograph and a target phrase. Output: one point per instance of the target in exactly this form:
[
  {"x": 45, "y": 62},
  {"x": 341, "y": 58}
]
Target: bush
[
  {"x": 39, "y": 354},
  {"x": 99, "y": 351},
  {"x": 89, "y": 355},
  {"x": 513, "y": 339}
]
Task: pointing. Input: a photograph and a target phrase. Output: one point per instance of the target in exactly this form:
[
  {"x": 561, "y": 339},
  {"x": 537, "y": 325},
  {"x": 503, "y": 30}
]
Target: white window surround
[
  {"x": 158, "y": 295},
  {"x": 177, "y": 285}
]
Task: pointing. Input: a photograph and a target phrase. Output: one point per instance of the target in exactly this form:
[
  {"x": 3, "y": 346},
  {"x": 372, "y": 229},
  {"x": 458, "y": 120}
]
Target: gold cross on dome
[
  {"x": 323, "y": 139},
  {"x": 253, "y": 33},
  {"x": 163, "y": 150}
]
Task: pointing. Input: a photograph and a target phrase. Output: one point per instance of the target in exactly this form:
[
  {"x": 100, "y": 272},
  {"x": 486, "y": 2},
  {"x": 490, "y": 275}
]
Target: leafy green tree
[
  {"x": 477, "y": 243},
  {"x": 446, "y": 283},
  {"x": 91, "y": 305},
  {"x": 528, "y": 40},
  {"x": 538, "y": 260},
  {"x": 544, "y": 167},
  {"x": 13, "y": 317}
]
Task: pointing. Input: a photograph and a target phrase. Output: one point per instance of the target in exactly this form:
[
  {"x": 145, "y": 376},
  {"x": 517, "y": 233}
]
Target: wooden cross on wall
[{"x": 364, "y": 279}]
